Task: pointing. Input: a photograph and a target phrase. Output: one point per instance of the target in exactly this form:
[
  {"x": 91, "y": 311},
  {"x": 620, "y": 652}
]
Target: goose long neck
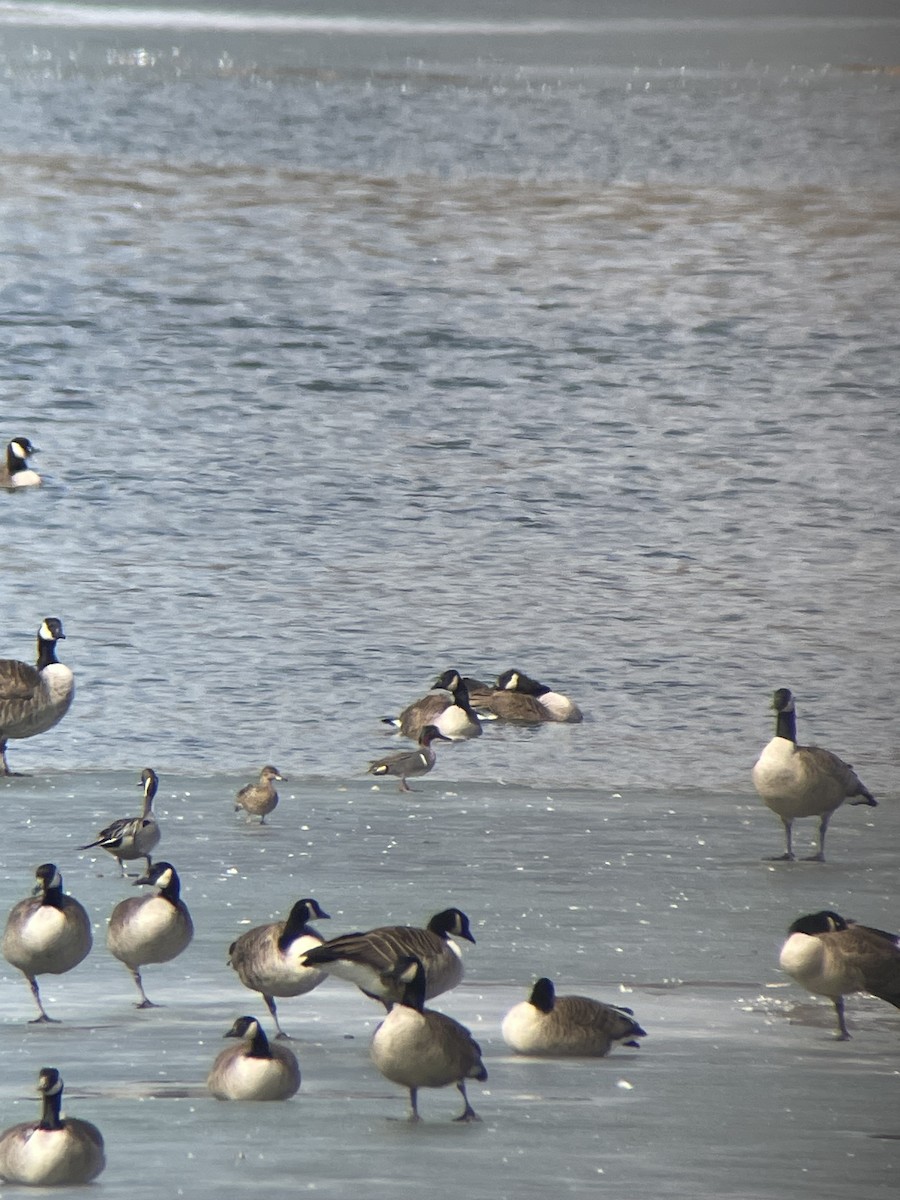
[
  {"x": 259, "y": 1045},
  {"x": 461, "y": 697},
  {"x": 295, "y": 926},
  {"x": 52, "y": 1106},
  {"x": 172, "y": 890},
  {"x": 14, "y": 462},
  {"x": 52, "y": 896},
  {"x": 414, "y": 993},
  {"x": 46, "y": 653},
  {"x": 786, "y": 725}
]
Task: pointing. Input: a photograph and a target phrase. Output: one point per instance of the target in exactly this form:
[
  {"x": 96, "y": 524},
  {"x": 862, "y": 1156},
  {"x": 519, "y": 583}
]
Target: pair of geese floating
[
  {"x": 50, "y": 933},
  {"x": 514, "y": 697},
  {"x": 456, "y": 711}
]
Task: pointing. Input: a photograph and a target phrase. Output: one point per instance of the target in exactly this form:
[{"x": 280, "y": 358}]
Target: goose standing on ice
[
  {"x": 368, "y": 959},
  {"x": 269, "y": 958},
  {"x": 34, "y": 699},
  {"x": 150, "y": 929},
  {"x": 803, "y": 781},
  {"x": 832, "y": 957},
  {"x": 418, "y": 1047},
  {"x": 46, "y": 934}
]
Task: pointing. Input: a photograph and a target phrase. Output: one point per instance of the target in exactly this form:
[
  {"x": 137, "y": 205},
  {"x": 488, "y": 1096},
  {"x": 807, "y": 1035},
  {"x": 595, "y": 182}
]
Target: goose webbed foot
[{"x": 468, "y": 1114}]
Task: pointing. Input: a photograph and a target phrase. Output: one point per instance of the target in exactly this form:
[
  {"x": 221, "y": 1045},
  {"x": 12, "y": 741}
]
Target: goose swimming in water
[
  {"x": 269, "y": 958},
  {"x": 420, "y": 1048},
  {"x": 132, "y": 837},
  {"x": 519, "y": 698},
  {"x": 46, "y": 934},
  {"x": 15, "y": 471},
  {"x": 254, "y": 1069},
  {"x": 803, "y": 781},
  {"x": 833, "y": 957},
  {"x": 410, "y": 763},
  {"x": 54, "y": 1151},
  {"x": 34, "y": 699},
  {"x": 453, "y": 715},
  {"x": 557, "y": 1026},
  {"x": 367, "y": 959},
  {"x": 150, "y": 929}
]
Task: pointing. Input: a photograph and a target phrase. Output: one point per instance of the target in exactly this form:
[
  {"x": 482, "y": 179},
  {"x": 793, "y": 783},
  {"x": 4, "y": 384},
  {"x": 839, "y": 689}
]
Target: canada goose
[
  {"x": 453, "y": 715},
  {"x": 410, "y": 762},
  {"x": 150, "y": 929},
  {"x": 503, "y": 704},
  {"x": 417, "y": 1047},
  {"x": 803, "y": 781},
  {"x": 567, "y": 1025},
  {"x": 258, "y": 799},
  {"x": 269, "y": 958},
  {"x": 367, "y": 958},
  {"x": 132, "y": 837},
  {"x": 34, "y": 699},
  {"x": 15, "y": 472},
  {"x": 515, "y": 689},
  {"x": 833, "y": 957},
  {"x": 47, "y": 933},
  {"x": 253, "y": 1070},
  {"x": 55, "y": 1150}
]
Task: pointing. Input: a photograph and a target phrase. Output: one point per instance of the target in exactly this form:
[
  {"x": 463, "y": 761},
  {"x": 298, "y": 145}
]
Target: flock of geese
[{"x": 400, "y": 967}]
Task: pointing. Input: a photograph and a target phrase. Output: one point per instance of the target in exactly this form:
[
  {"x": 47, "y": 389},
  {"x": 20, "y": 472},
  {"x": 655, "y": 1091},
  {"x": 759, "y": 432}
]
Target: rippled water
[{"x": 360, "y": 348}]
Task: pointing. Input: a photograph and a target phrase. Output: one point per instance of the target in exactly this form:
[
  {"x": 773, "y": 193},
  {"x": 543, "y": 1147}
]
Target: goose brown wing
[
  {"x": 593, "y": 1014},
  {"x": 515, "y": 706},
  {"x": 458, "y": 1043},
  {"x": 826, "y": 763},
  {"x": 379, "y": 948},
  {"x": 879, "y": 961},
  {"x": 18, "y": 680},
  {"x": 423, "y": 712}
]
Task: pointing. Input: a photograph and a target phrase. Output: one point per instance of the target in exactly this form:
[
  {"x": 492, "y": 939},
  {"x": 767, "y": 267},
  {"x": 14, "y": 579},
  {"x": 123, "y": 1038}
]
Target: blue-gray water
[{"x": 362, "y": 345}]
